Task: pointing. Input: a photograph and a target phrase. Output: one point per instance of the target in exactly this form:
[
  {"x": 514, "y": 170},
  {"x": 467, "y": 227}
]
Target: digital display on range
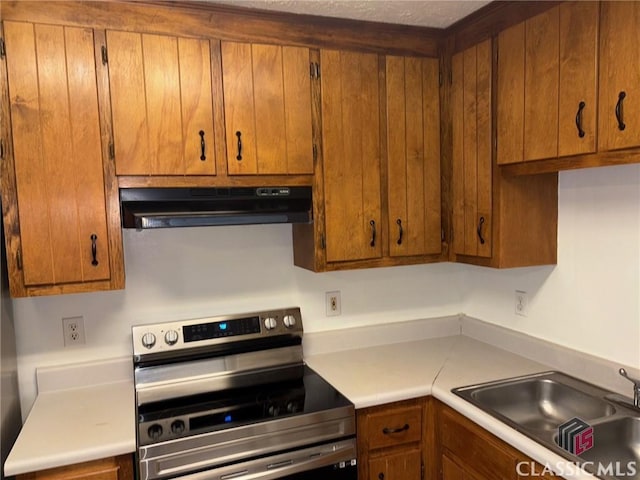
[{"x": 227, "y": 328}]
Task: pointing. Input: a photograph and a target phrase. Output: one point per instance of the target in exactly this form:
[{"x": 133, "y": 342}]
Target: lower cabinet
[
  {"x": 466, "y": 451},
  {"x": 113, "y": 468},
  {"x": 393, "y": 441}
]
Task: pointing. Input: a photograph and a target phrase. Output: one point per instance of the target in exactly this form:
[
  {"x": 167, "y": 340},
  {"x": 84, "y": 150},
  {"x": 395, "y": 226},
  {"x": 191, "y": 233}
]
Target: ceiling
[{"x": 423, "y": 13}]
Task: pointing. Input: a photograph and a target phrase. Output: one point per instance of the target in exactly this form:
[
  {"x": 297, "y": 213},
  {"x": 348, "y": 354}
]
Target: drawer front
[{"x": 395, "y": 426}]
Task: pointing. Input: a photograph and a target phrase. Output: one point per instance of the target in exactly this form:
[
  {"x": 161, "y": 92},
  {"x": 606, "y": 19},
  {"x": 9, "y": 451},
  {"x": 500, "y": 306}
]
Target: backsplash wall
[{"x": 588, "y": 302}]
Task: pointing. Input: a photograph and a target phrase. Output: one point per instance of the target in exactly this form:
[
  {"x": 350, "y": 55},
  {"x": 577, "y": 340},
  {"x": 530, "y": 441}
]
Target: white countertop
[{"x": 75, "y": 424}]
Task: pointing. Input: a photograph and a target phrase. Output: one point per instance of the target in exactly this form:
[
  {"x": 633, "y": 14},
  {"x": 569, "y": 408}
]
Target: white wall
[
  {"x": 590, "y": 301},
  {"x": 189, "y": 273}
]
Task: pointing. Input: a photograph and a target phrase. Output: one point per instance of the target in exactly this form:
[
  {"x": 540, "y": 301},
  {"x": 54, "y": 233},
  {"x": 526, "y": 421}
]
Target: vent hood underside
[{"x": 144, "y": 208}]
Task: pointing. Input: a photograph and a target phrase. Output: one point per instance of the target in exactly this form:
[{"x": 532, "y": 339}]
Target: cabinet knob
[{"x": 381, "y": 476}]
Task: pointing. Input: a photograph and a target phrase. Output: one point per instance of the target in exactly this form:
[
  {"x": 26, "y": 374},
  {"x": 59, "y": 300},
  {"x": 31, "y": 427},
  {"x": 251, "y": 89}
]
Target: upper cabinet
[
  {"x": 58, "y": 217},
  {"x": 546, "y": 89},
  {"x": 161, "y": 102},
  {"x": 377, "y": 190},
  {"x": 352, "y": 155},
  {"x": 413, "y": 155},
  {"x": 619, "y": 118},
  {"x": 267, "y": 105},
  {"x": 498, "y": 221}
]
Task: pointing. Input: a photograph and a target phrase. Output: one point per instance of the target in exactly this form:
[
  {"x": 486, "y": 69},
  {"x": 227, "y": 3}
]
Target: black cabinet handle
[
  {"x": 381, "y": 476},
  {"x": 239, "y": 135},
  {"x": 389, "y": 431},
  {"x": 372, "y": 243},
  {"x": 480, "y": 224},
  {"x": 94, "y": 249},
  {"x": 203, "y": 157},
  {"x": 620, "y": 111},
  {"x": 400, "y": 231},
  {"x": 581, "y": 106}
]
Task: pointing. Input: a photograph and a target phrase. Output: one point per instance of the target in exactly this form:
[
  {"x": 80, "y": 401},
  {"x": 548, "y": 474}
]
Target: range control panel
[{"x": 177, "y": 335}]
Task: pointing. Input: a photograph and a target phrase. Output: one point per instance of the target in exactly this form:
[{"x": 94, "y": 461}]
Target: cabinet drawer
[
  {"x": 395, "y": 426},
  {"x": 476, "y": 448}
]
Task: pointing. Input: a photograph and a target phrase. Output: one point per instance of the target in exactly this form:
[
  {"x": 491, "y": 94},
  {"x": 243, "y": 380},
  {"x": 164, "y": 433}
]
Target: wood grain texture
[
  {"x": 619, "y": 72},
  {"x": 196, "y": 107},
  {"x": 297, "y": 110},
  {"x": 128, "y": 103},
  {"x": 470, "y": 151},
  {"x": 578, "y": 76},
  {"x": 541, "y": 85},
  {"x": 112, "y": 468},
  {"x": 484, "y": 118},
  {"x": 406, "y": 465},
  {"x": 511, "y": 93},
  {"x": 232, "y": 24},
  {"x": 239, "y": 108},
  {"x": 351, "y": 155},
  {"x": 457, "y": 134}
]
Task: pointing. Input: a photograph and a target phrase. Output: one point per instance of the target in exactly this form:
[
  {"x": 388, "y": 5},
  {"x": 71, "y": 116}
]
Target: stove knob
[
  {"x": 289, "y": 321},
  {"x": 292, "y": 407},
  {"x": 177, "y": 427},
  {"x": 155, "y": 431},
  {"x": 270, "y": 323},
  {"x": 274, "y": 410},
  {"x": 171, "y": 337},
  {"x": 148, "y": 340}
]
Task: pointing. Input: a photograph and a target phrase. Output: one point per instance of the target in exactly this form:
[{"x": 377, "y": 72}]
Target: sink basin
[
  {"x": 540, "y": 403},
  {"x": 616, "y": 445},
  {"x": 536, "y": 405}
]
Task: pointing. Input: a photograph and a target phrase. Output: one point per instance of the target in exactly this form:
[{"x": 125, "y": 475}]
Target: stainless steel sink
[
  {"x": 540, "y": 403},
  {"x": 537, "y": 405},
  {"x": 616, "y": 440}
]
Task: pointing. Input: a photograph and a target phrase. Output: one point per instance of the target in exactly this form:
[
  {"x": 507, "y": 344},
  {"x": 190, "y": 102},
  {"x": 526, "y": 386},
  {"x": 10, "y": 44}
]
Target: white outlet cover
[
  {"x": 333, "y": 303},
  {"x": 521, "y": 303}
]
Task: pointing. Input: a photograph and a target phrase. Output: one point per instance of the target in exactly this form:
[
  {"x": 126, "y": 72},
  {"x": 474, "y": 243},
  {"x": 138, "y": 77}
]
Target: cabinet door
[
  {"x": 161, "y": 104},
  {"x": 403, "y": 465},
  {"x": 57, "y": 149},
  {"x": 578, "y": 78},
  {"x": 267, "y": 101},
  {"x": 619, "y": 101},
  {"x": 472, "y": 160},
  {"x": 452, "y": 471},
  {"x": 351, "y": 146},
  {"x": 413, "y": 155}
]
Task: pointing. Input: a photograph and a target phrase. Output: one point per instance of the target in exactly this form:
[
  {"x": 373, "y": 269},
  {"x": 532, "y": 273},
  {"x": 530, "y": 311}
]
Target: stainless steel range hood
[{"x": 144, "y": 208}]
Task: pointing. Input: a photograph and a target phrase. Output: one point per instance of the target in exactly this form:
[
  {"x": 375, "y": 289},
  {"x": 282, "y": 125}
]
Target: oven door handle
[{"x": 279, "y": 466}]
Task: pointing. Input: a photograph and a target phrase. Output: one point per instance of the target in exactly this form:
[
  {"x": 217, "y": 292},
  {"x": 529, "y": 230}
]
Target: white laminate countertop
[
  {"x": 72, "y": 425},
  {"x": 77, "y": 423}
]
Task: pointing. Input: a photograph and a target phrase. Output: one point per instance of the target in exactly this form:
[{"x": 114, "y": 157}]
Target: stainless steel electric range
[{"x": 230, "y": 397}]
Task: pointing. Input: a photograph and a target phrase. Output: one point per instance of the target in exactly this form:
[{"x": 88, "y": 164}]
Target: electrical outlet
[
  {"x": 522, "y": 303},
  {"x": 334, "y": 306},
  {"x": 73, "y": 331}
]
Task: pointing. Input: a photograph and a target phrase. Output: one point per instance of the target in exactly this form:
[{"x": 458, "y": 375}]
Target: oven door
[{"x": 329, "y": 461}]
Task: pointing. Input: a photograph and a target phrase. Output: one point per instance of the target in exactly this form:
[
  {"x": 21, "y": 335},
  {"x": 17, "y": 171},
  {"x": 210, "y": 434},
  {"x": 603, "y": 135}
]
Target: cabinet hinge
[
  {"x": 105, "y": 57},
  {"x": 2, "y": 48},
  {"x": 323, "y": 243},
  {"x": 112, "y": 151},
  {"x": 19, "y": 260}
]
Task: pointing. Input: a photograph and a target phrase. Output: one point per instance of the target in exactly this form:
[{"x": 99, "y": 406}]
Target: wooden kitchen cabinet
[
  {"x": 413, "y": 156},
  {"x": 392, "y": 440},
  {"x": 498, "y": 221},
  {"x": 619, "y": 102},
  {"x": 351, "y": 157},
  {"x": 466, "y": 451},
  {"x": 113, "y": 468},
  {"x": 162, "y": 105},
  {"x": 60, "y": 206},
  {"x": 547, "y": 83},
  {"x": 267, "y": 104}
]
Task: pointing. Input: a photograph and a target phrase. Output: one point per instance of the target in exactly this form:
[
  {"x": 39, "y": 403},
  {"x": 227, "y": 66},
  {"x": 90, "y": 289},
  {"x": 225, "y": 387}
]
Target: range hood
[{"x": 144, "y": 208}]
